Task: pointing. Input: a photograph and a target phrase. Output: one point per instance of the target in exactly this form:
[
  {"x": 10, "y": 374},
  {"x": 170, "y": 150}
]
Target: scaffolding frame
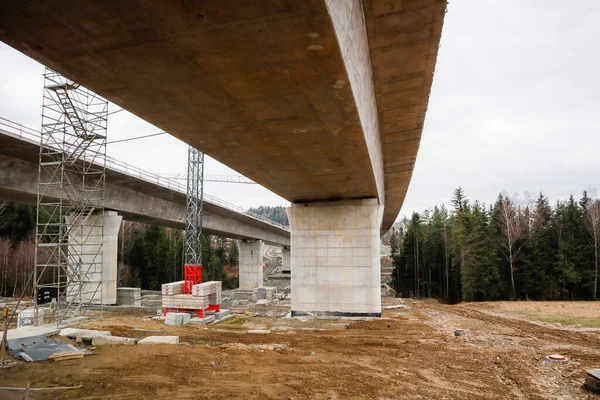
[
  {"x": 70, "y": 200},
  {"x": 195, "y": 192}
]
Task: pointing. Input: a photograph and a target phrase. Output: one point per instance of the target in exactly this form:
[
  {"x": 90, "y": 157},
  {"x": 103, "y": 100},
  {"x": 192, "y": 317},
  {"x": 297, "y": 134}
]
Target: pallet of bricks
[{"x": 204, "y": 297}]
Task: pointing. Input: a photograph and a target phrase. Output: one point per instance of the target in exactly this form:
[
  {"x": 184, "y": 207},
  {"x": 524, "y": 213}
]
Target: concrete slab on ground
[
  {"x": 206, "y": 320},
  {"x": 103, "y": 339},
  {"x": 87, "y": 334},
  {"x": 160, "y": 340},
  {"x": 30, "y": 331}
]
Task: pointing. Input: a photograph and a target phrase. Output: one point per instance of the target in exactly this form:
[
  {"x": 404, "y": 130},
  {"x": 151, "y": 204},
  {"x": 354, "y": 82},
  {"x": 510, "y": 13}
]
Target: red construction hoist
[{"x": 192, "y": 270}]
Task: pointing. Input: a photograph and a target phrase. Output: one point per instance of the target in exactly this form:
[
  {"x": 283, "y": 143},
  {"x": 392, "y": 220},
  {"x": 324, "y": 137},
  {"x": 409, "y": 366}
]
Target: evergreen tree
[
  {"x": 394, "y": 243},
  {"x": 17, "y": 221},
  {"x": 234, "y": 254}
]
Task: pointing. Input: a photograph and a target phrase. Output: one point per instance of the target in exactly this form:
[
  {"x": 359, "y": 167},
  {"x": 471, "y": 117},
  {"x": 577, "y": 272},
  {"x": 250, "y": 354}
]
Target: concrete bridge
[
  {"x": 321, "y": 101},
  {"x": 140, "y": 196}
]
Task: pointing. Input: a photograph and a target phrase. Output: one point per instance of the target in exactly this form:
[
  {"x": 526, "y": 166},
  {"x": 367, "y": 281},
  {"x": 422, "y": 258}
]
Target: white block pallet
[
  {"x": 173, "y": 288},
  {"x": 177, "y": 319},
  {"x": 186, "y": 301},
  {"x": 206, "y": 288}
]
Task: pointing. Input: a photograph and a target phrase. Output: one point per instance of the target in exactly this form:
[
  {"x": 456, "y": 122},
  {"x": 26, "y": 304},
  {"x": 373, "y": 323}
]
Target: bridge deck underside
[
  {"x": 258, "y": 85},
  {"x": 135, "y": 199}
]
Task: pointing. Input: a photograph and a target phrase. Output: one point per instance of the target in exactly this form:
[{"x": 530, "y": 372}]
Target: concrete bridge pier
[
  {"x": 85, "y": 239},
  {"x": 251, "y": 264},
  {"x": 335, "y": 258},
  {"x": 286, "y": 261}
]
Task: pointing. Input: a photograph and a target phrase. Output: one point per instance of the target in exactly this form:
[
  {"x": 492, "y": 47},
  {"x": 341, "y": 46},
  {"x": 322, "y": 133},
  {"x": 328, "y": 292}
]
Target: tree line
[
  {"x": 147, "y": 257},
  {"x": 276, "y": 213},
  {"x": 151, "y": 255},
  {"x": 512, "y": 249}
]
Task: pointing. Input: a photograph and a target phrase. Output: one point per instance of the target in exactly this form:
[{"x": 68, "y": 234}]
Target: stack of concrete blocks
[
  {"x": 203, "y": 295},
  {"x": 208, "y": 292},
  {"x": 268, "y": 293},
  {"x": 183, "y": 301},
  {"x": 129, "y": 296},
  {"x": 173, "y": 288},
  {"x": 177, "y": 319}
]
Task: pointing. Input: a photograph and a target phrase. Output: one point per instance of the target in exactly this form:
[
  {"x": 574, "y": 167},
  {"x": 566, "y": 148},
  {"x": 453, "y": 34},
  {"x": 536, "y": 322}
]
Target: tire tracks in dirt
[{"x": 538, "y": 331}]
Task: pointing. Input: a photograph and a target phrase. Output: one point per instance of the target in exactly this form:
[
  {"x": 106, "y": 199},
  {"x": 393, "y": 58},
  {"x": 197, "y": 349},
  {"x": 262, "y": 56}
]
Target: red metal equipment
[
  {"x": 198, "y": 312},
  {"x": 192, "y": 275}
]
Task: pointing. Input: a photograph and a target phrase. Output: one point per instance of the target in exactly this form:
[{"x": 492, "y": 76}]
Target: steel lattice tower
[
  {"x": 70, "y": 201},
  {"x": 193, "y": 231}
]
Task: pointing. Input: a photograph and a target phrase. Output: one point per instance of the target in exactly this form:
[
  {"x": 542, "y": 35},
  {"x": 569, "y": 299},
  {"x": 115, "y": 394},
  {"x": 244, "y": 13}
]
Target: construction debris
[
  {"x": 30, "y": 331},
  {"x": 40, "y": 348},
  {"x": 84, "y": 334},
  {"x": 27, "y": 317},
  {"x": 17, "y": 389},
  {"x": 394, "y": 307},
  {"x": 69, "y": 355},
  {"x": 259, "y": 331},
  {"x": 160, "y": 340},
  {"x": 592, "y": 381},
  {"x": 102, "y": 340},
  {"x": 129, "y": 296}
]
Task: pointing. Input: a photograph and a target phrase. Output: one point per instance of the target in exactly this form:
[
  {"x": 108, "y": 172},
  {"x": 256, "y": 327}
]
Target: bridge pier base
[
  {"x": 85, "y": 239},
  {"x": 335, "y": 258},
  {"x": 286, "y": 261},
  {"x": 251, "y": 264}
]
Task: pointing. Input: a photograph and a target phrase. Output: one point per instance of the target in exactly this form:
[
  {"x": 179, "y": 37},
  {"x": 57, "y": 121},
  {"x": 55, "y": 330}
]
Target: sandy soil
[
  {"x": 409, "y": 353},
  {"x": 573, "y": 309}
]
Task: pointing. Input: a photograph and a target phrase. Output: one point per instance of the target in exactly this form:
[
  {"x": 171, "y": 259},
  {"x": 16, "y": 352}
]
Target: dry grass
[{"x": 575, "y": 313}]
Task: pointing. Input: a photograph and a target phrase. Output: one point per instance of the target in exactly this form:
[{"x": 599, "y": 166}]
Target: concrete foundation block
[
  {"x": 160, "y": 340},
  {"x": 177, "y": 319}
]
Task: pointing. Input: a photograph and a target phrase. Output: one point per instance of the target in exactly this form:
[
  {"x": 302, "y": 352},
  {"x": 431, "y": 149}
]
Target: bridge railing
[{"x": 26, "y": 133}]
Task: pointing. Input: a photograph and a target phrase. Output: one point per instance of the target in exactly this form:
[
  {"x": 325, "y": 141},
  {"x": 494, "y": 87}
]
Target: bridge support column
[
  {"x": 336, "y": 258},
  {"x": 84, "y": 242},
  {"x": 251, "y": 264},
  {"x": 286, "y": 261}
]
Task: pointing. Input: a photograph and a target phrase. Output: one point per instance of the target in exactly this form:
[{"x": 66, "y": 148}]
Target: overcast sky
[{"x": 515, "y": 107}]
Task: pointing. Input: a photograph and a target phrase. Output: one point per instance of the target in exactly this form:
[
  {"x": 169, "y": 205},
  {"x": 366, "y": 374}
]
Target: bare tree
[
  {"x": 592, "y": 214},
  {"x": 514, "y": 227},
  {"x": 5, "y": 218}
]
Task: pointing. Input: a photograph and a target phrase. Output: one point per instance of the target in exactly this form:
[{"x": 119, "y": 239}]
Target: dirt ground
[{"x": 408, "y": 354}]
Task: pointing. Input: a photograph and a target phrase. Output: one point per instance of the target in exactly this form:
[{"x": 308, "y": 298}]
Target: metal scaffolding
[
  {"x": 193, "y": 230},
  {"x": 70, "y": 203}
]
